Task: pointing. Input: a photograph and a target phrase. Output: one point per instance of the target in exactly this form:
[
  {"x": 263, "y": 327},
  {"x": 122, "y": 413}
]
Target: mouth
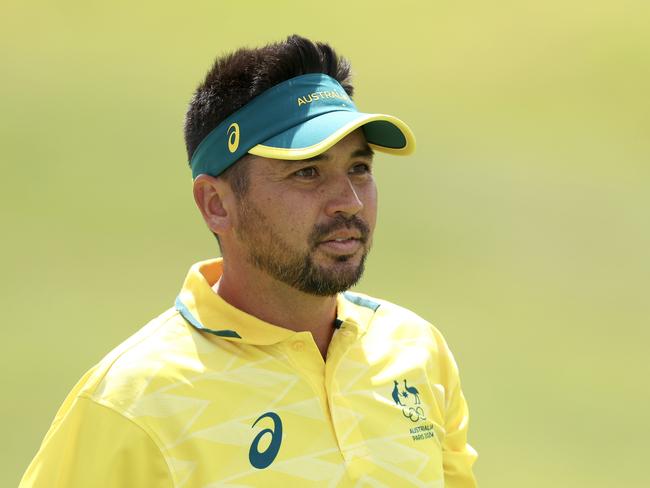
[
  {"x": 342, "y": 237},
  {"x": 342, "y": 244}
]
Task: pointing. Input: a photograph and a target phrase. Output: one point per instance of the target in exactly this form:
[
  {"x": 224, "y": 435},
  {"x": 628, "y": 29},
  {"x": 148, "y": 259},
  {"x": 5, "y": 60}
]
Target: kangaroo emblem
[
  {"x": 396, "y": 394},
  {"x": 407, "y": 399}
]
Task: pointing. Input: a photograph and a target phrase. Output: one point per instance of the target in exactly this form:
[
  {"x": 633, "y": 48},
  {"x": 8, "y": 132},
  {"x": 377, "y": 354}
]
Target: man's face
[{"x": 309, "y": 223}]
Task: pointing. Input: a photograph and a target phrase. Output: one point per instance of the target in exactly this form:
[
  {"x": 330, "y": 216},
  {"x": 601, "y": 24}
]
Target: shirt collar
[{"x": 208, "y": 312}]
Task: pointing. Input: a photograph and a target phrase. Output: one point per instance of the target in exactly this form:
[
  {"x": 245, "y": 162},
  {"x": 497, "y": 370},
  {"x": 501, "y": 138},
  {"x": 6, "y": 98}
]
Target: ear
[{"x": 212, "y": 196}]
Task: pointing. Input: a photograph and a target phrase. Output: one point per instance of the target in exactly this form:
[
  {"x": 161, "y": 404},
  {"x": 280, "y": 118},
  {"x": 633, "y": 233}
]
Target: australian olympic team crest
[{"x": 408, "y": 398}]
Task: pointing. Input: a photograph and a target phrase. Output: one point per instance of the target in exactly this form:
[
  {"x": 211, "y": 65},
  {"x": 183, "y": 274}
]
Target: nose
[{"x": 344, "y": 198}]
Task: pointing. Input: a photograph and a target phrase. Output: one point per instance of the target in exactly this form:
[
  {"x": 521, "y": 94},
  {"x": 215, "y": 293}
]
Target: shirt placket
[
  {"x": 305, "y": 357},
  {"x": 344, "y": 418}
]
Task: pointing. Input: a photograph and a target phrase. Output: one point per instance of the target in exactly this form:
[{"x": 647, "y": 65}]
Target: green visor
[{"x": 296, "y": 119}]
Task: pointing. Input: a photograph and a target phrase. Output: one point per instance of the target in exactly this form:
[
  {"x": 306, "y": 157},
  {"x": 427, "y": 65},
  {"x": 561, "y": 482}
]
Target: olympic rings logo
[
  {"x": 414, "y": 414},
  {"x": 233, "y": 137}
]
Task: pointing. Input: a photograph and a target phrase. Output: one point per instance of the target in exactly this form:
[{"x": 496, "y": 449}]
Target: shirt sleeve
[
  {"x": 458, "y": 455},
  {"x": 94, "y": 445}
]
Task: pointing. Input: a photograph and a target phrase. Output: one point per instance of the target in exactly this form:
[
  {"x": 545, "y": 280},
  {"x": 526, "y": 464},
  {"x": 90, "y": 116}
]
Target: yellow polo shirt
[{"x": 208, "y": 396}]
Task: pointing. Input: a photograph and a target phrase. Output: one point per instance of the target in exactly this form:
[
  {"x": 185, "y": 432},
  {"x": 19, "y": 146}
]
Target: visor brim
[{"x": 314, "y": 136}]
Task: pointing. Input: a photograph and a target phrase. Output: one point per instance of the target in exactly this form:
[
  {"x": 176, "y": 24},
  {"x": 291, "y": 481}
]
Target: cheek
[
  {"x": 370, "y": 206},
  {"x": 293, "y": 215}
]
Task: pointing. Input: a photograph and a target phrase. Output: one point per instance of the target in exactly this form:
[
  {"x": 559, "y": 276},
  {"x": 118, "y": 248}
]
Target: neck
[{"x": 272, "y": 301}]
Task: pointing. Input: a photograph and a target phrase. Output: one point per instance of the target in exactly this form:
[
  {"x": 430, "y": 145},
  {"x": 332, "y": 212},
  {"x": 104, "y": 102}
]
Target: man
[{"x": 268, "y": 372}]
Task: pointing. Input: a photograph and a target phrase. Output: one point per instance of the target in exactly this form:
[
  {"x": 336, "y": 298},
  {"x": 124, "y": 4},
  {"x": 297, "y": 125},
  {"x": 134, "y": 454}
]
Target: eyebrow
[{"x": 363, "y": 152}]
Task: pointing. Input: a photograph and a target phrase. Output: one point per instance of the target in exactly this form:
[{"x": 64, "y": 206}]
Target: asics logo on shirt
[{"x": 263, "y": 459}]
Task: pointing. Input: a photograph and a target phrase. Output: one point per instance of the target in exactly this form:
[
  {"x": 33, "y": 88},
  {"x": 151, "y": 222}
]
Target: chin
[
  {"x": 345, "y": 268},
  {"x": 349, "y": 258}
]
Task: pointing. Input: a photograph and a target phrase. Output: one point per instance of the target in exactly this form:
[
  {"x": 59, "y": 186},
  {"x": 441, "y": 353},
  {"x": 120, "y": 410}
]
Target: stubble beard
[{"x": 271, "y": 253}]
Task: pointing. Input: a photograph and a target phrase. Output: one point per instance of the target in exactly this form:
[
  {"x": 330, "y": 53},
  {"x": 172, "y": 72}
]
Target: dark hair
[{"x": 237, "y": 78}]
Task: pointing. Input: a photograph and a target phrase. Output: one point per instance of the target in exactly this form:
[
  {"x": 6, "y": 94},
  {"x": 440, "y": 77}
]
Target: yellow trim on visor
[{"x": 325, "y": 144}]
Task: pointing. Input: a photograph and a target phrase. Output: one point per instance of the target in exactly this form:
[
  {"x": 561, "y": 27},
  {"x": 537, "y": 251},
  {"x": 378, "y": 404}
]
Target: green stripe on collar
[{"x": 187, "y": 315}]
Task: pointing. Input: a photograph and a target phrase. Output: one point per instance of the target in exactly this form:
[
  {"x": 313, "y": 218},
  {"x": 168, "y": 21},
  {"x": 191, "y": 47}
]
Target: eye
[
  {"x": 360, "y": 169},
  {"x": 308, "y": 172}
]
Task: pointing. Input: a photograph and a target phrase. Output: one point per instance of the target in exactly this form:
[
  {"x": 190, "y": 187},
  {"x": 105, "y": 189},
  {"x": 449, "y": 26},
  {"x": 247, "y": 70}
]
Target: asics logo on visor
[{"x": 233, "y": 137}]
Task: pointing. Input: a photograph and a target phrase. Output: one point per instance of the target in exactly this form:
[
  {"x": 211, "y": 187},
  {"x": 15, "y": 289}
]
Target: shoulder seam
[
  {"x": 124, "y": 350},
  {"x": 146, "y": 431}
]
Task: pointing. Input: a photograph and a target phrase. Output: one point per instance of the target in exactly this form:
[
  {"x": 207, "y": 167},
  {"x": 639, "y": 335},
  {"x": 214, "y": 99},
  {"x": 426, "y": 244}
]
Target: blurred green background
[{"x": 520, "y": 227}]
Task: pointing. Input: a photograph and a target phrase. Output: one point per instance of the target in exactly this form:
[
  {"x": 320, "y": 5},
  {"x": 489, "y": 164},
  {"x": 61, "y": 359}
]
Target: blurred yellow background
[{"x": 520, "y": 227}]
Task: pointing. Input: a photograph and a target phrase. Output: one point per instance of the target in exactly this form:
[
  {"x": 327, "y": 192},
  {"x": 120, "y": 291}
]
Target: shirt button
[
  {"x": 346, "y": 333},
  {"x": 298, "y": 345}
]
